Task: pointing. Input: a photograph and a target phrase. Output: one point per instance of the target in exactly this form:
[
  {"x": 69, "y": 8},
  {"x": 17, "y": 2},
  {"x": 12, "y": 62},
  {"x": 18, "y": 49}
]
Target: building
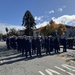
[
  {"x": 21, "y": 32},
  {"x": 70, "y": 32},
  {"x": 36, "y": 32}
]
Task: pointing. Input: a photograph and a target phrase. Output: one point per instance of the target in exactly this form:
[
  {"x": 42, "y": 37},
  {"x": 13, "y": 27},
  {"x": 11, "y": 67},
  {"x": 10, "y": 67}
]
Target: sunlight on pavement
[{"x": 65, "y": 58}]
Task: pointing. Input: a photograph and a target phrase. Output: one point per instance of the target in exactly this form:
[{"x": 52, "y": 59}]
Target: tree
[
  {"x": 12, "y": 31},
  {"x": 51, "y": 28},
  {"x": 45, "y": 30},
  {"x": 6, "y": 29},
  {"x": 61, "y": 29},
  {"x": 28, "y": 22},
  {"x": 1, "y": 36}
]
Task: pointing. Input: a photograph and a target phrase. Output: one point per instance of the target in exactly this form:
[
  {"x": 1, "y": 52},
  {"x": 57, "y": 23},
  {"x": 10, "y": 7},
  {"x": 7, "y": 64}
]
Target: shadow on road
[
  {"x": 17, "y": 57},
  {"x": 13, "y": 56}
]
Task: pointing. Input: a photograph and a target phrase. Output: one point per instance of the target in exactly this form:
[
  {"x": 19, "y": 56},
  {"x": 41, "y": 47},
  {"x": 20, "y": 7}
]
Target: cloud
[
  {"x": 38, "y": 18},
  {"x": 4, "y": 25},
  {"x": 61, "y": 8},
  {"x": 42, "y": 24},
  {"x": 65, "y": 19},
  {"x": 52, "y": 11}
]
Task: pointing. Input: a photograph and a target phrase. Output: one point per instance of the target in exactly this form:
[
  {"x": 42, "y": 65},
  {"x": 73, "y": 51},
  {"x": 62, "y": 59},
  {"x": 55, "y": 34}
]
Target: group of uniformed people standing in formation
[{"x": 30, "y": 45}]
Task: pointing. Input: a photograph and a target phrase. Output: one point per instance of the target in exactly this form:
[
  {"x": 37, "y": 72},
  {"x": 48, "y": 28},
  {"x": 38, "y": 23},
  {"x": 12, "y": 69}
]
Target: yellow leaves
[
  {"x": 47, "y": 26},
  {"x": 51, "y": 27},
  {"x": 61, "y": 29}
]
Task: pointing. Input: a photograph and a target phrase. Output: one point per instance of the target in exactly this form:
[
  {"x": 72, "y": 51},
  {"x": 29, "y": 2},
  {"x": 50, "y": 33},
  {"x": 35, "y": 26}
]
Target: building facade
[{"x": 70, "y": 32}]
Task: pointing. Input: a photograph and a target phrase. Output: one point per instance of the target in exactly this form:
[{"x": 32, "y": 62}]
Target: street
[{"x": 16, "y": 64}]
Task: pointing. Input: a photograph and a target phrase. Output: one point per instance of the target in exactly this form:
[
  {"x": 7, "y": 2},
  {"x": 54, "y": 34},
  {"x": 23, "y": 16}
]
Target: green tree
[
  {"x": 6, "y": 29},
  {"x": 28, "y": 22}
]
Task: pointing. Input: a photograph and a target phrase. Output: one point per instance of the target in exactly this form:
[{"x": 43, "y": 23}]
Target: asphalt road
[{"x": 15, "y": 64}]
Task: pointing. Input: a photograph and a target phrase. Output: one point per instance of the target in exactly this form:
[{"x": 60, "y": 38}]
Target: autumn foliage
[{"x": 50, "y": 29}]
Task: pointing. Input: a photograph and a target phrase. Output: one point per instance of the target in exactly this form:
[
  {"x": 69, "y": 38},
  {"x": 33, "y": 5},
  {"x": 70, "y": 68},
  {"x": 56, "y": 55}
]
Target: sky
[{"x": 43, "y": 11}]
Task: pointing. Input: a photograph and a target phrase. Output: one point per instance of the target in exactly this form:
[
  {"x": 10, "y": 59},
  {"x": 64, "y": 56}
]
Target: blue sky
[{"x": 12, "y": 11}]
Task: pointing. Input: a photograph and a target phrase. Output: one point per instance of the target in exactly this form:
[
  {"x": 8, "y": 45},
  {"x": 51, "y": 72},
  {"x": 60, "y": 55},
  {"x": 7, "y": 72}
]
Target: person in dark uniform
[
  {"x": 14, "y": 42},
  {"x": 11, "y": 41},
  {"x": 64, "y": 44},
  {"x": 51, "y": 44},
  {"x": 56, "y": 45},
  {"x": 38, "y": 45},
  {"x": 33, "y": 45},
  {"x": 47, "y": 45},
  {"x": 28, "y": 46},
  {"x": 8, "y": 42},
  {"x": 23, "y": 44},
  {"x": 19, "y": 43},
  {"x": 43, "y": 42}
]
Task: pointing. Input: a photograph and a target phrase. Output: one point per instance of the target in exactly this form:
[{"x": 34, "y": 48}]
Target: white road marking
[
  {"x": 49, "y": 72},
  {"x": 63, "y": 70},
  {"x": 53, "y": 71},
  {"x": 69, "y": 67},
  {"x": 60, "y": 68},
  {"x": 41, "y": 73},
  {"x": 70, "y": 73},
  {"x": 66, "y": 67}
]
